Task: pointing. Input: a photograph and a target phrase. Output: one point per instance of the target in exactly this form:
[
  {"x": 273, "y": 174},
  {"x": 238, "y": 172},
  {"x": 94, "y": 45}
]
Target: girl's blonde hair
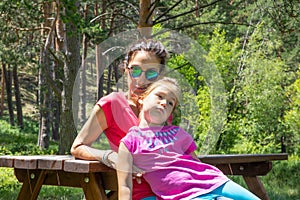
[{"x": 167, "y": 82}]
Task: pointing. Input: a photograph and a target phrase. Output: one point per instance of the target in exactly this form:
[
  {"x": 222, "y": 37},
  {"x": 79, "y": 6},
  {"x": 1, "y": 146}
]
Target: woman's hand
[
  {"x": 110, "y": 159},
  {"x": 137, "y": 174}
]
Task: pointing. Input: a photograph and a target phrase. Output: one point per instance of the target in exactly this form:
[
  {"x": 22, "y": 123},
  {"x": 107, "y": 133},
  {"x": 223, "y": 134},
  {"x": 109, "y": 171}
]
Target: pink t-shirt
[
  {"x": 164, "y": 154},
  {"x": 120, "y": 118}
]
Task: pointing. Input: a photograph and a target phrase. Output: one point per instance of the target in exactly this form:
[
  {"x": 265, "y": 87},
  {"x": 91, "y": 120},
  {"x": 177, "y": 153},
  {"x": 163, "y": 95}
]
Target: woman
[{"x": 115, "y": 113}]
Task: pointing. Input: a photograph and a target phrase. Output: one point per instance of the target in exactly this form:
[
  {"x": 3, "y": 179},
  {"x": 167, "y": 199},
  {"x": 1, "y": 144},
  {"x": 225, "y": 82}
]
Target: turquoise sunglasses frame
[{"x": 150, "y": 74}]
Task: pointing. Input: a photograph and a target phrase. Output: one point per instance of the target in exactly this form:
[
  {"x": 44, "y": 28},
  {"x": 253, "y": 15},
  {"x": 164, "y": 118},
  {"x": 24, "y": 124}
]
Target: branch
[
  {"x": 179, "y": 67},
  {"x": 51, "y": 82},
  {"x": 118, "y": 13},
  {"x": 46, "y": 49},
  {"x": 200, "y": 23},
  {"x": 29, "y": 29},
  {"x": 131, "y": 19},
  {"x": 167, "y": 11},
  {"x": 125, "y": 2},
  {"x": 49, "y": 37},
  {"x": 97, "y": 17},
  {"x": 152, "y": 6},
  {"x": 185, "y": 13},
  {"x": 213, "y": 22}
]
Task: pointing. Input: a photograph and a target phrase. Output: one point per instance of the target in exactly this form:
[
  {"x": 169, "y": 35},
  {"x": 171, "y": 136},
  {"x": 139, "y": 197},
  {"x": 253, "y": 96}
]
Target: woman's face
[{"x": 143, "y": 69}]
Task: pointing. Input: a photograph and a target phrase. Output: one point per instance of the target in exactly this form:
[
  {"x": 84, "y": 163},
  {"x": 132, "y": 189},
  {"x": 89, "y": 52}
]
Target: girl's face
[
  {"x": 158, "y": 106},
  {"x": 143, "y": 69}
]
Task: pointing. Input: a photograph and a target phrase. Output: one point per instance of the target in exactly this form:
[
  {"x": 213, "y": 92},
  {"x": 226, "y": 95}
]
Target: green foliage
[
  {"x": 18, "y": 21},
  {"x": 203, "y": 120},
  {"x": 291, "y": 118},
  {"x": 21, "y": 142},
  {"x": 179, "y": 64},
  {"x": 95, "y": 33},
  {"x": 9, "y": 185},
  {"x": 223, "y": 55},
  {"x": 187, "y": 114},
  {"x": 260, "y": 95}
]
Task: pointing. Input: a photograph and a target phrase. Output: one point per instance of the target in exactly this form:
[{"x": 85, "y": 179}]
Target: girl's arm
[
  {"x": 91, "y": 130},
  {"x": 124, "y": 172}
]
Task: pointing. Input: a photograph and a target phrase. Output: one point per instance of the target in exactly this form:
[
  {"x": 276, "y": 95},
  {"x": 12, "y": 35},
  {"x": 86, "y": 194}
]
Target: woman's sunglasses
[{"x": 150, "y": 74}]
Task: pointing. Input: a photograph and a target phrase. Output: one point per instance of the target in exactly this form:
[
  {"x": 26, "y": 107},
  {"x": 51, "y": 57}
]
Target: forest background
[{"x": 253, "y": 45}]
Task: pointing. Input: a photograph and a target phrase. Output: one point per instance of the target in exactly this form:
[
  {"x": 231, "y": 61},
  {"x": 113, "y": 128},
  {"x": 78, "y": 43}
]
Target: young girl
[{"x": 166, "y": 154}]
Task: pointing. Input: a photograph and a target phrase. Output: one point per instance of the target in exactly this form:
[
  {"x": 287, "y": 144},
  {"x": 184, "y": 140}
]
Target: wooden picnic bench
[{"x": 100, "y": 182}]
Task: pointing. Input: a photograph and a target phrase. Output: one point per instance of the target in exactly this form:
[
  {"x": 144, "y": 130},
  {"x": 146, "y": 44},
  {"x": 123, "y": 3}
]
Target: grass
[
  {"x": 283, "y": 180},
  {"x": 281, "y": 183},
  {"x": 10, "y": 187}
]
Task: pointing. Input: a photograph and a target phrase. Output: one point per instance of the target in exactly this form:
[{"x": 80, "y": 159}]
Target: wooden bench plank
[
  {"x": 7, "y": 161},
  {"x": 241, "y": 158},
  {"x": 53, "y": 162},
  {"x": 246, "y": 169},
  {"x": 26, "y": 162},
  {"x": 85, "y": 166}
]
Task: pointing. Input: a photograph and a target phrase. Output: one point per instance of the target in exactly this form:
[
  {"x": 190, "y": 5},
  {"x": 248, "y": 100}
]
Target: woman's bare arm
[
  {"x": 91, "y": 130},
  {"x": 124, "y": 172}
]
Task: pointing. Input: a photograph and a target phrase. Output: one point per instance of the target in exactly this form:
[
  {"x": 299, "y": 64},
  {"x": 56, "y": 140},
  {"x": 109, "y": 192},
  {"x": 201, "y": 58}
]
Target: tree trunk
[
  {"x": 145, "y": 22},
  {"x": 44, "y": 125},
  {"x": 7, "y": 77},
  {"x": 18, "y": 97},
  {"x": 2, "y": 90},
  {"x": 58, "y": 75},
  {"x": 100, "y": 71},
  {"x": 68, "y": 130},
  {"x": 82, "y": 106},
  {"x": 99, "y": 61},
  {"x": 109, "y": 75},
  {"x": 44, "y": 89}
]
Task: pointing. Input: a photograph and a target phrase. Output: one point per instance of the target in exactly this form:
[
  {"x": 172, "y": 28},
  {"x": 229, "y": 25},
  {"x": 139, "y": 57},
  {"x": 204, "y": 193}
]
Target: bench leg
[
  {"x": 112, "y": 195},
  {"x": 92, "y": 187},
  {"x": 33, "y": 181},
  {"x": 254, "y": 184}
]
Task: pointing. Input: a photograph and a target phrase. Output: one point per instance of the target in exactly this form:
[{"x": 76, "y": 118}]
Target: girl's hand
[{"x": 137, "y": 174}]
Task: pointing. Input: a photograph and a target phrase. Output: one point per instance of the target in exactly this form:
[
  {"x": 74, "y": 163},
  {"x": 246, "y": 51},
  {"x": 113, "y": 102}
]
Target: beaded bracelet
[{"x": 105, "y": 158}]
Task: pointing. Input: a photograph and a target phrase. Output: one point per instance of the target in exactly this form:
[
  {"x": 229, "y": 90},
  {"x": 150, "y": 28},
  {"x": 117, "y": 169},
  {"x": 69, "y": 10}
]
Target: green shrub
[{"x": 14, "y": 141}]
